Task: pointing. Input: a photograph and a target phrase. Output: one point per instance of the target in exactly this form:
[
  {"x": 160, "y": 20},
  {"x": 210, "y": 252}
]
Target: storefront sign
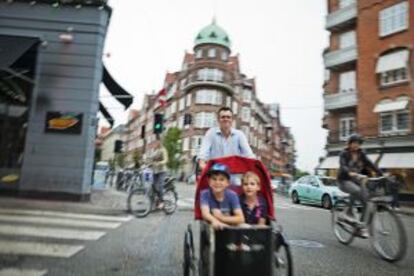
[{"x": 63, "y": 122}]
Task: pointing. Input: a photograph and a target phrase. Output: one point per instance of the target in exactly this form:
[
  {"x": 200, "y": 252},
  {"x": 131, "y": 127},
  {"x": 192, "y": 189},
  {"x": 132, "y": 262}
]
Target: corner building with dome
[{"x": 210, "y": 78}]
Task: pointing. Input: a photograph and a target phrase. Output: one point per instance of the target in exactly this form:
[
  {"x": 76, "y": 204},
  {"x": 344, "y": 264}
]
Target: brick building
[
  {"x": 210, "y": 78},
  {"x": 369, "y": 85}
]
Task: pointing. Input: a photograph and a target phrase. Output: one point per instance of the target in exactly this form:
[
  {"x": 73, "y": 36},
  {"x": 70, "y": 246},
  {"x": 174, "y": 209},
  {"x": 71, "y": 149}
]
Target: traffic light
[
  {"x": 118, "y": 146},
  {"x": 158, "y": 123}
]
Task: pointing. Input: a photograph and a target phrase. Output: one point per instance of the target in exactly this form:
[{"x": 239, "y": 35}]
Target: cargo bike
[{"x": 242, "y": 251}]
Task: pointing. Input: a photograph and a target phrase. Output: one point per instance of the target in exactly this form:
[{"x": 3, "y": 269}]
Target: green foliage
[
  {"x": 136, "y": 157},
  {"x": 120, "y": 160},
  {"x": 299, "y": 173},
  {"x": 172, "y": 143}
]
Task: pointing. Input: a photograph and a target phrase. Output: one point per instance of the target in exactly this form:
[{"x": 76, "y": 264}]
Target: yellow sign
[{"x": 10, "y": 178}]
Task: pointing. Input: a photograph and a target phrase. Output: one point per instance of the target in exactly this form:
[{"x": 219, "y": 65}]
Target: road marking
[
  {"x": 39, "y": 249},
  {"x": 22, "y": 272},
  {"x": 64, "y": 215},
  {"x": 58, "y": 221},
  {"x": 48, "y": 232},
  {"x": 306, "y": 243},
  {"x": 186, "y": 202}
]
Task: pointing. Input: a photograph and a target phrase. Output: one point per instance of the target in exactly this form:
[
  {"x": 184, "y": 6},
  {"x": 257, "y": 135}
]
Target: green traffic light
[{"x": 157, "y": 126}]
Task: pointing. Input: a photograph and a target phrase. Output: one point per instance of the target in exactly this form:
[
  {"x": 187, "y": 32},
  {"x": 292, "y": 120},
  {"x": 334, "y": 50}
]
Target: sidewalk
[{"x": 106, "y": 201}]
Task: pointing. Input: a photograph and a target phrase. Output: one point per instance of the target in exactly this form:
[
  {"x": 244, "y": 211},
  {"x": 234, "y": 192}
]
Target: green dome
[{"x": 212, "y": 34}]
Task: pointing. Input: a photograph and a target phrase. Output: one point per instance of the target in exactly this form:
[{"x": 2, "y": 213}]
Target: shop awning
[
  {"x": 391, "y": 106},
  {"x": 332, "y": 162},
  {"x": 116, "y": 90},
  {"x": 393, "y": 61},
  {"x": 12, "y": 48},
  {"x": 106, "y": 114},
  {"x": 397, "y": 160}
]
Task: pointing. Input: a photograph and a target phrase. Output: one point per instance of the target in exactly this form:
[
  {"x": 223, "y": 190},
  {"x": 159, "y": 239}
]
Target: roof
[{"x": 212, "y": 34}]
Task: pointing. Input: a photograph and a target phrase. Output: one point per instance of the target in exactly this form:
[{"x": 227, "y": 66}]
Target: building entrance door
[{"x": 17, "y": 69}]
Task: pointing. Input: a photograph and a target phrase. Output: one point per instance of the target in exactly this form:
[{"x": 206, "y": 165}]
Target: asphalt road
[{"x": 154, "y": 245}]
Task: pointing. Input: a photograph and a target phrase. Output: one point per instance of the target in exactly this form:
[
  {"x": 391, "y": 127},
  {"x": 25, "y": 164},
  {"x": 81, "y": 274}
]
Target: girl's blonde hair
[{"x": 251, "y": 175}]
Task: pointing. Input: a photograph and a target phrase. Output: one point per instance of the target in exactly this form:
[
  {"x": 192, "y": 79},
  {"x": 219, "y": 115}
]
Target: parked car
[{"x": 314, "y": 189}]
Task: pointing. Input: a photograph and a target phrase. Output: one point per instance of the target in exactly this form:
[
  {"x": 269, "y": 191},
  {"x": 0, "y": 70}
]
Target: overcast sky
[{"x": 279, "y": 43}]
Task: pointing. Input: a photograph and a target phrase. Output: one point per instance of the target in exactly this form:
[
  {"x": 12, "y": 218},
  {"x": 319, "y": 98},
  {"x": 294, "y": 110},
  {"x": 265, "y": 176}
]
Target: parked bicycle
[
  {"x": 144, "y": 199},
  {"x": 386, "y": 230}
]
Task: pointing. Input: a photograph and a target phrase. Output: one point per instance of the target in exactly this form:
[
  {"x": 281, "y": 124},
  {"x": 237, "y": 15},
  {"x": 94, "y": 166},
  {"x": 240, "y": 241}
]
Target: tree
[
  {"x": 136, "y": 157},
  {"x": 299, "y": 173},
  {"x": 172, "y": 143},
  {"x": 120, "y": 160}
]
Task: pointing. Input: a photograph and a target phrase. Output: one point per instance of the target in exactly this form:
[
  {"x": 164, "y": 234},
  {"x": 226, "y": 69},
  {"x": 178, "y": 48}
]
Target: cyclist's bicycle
[
  {"x": 386, "y": 230},
  {"x": 143, "y": 199}
]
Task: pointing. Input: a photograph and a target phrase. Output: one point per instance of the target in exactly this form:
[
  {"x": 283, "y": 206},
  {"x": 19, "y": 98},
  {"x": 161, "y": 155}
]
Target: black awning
[
  {"x": 106, "y": 114},
  {"x": 12, "y": 48},
  {"x": 116, "y": 90}
]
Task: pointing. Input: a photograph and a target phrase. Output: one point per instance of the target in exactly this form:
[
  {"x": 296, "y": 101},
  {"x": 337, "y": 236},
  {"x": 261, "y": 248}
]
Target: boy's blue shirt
[
  {"x": 252, "y": 216},
  {"x": 227, "y": 206}
]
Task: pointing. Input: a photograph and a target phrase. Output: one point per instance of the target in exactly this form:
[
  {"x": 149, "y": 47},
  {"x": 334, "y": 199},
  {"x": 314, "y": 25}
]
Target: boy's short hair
[
  {"x": 250, "y": 174},
  {"x": 219, "y": 168},
  {"x": 224, "y": 108}
]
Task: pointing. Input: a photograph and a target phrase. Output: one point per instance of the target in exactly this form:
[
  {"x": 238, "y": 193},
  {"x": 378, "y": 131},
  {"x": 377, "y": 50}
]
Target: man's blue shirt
[
  {"x": 215, "y": 145},
  {"x": 227, "y": 206}
]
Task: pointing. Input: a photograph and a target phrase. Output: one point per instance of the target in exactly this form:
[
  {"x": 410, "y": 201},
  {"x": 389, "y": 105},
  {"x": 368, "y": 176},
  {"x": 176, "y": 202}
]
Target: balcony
[
  {"x": 342, "y": 17},
  {"x": 340, "y": 100},
  {"x": 224, "y": 83},
  {"x": 337, "y": 58}
]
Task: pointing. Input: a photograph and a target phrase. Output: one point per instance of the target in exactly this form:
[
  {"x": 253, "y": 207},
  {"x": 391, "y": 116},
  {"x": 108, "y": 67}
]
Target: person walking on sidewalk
[
  {"x": 223, "y": 140},
  {"x": 159, "y": 164}
]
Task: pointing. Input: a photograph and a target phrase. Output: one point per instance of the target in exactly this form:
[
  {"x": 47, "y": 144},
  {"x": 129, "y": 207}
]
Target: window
[
  {"x": 393, "y": 67},
  {"x": 189, "y": 99},
  {"x": 186, "y": 143},
  {"x": 212, "y": 53},
  {"x": 245, "y": 130},
  {"x": 347, "y": 81},
  {"x": 393, "y": 19},
  {"x": 346, "y": 127},
  {"x": 393, "y": 77},
  {"x": 196, "y": 142},
  {"x": 209, "y": 96},
  {"x": 199, "y": 53},
  {"x": 327, "y": 75},
  {"x": 247, "y": 95},
  {"x": 347, "y": 39},
  {"x": 345, "y": 3},
  {"x": 224, "y": 56},
  {"x": 396, "y": 121},
  {"x": 228, "y": 101},
  {"x": 173, "y": 108},
  {"x": 181, "y": 122},
  {"x": 210, "y": 74},
  {"x": 171, "y": 90},
  {"x": 245, "y": 114},
  {"x": 205, "y": 120},
  {"x": 182, "y": 104},
  {"x": 235, "y": 107}
]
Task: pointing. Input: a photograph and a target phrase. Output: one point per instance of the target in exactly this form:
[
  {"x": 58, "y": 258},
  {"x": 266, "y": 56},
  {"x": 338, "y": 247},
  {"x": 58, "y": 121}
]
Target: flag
[{"x": 161, "y": 97}]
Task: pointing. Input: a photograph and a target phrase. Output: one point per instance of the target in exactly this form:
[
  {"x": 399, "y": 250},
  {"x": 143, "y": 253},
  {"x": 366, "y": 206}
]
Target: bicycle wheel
[
  {"x": 343, "y": 231},
  {"x": 170, "y": 201},
  {"x": 388, "y": 236},
  {"x": 283, "y": 261},
  {"x": 139, "y": 203}
]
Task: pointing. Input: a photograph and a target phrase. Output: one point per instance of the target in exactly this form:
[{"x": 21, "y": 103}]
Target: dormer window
[
  {"x": 199, "y": 53},
  {"x": 224, "y": 56},
  {"x": 212, "y": 53}
]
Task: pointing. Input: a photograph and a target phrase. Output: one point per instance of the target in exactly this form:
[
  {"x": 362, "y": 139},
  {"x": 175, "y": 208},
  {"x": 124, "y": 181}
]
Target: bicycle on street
[
  {"x": 386, "y": 230},
  {"x": 144, "y": 199}
]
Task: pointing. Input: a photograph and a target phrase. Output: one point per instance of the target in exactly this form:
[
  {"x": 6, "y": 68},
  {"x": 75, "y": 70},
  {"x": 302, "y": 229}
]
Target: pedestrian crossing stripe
[
  {"x": 39, "y": 249},
  {"x": 65, "y": 215},
  {"x": 22, "y": 272},
  {"x": 58, "y": 221},
  {"x": 50, "y": 232}
]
